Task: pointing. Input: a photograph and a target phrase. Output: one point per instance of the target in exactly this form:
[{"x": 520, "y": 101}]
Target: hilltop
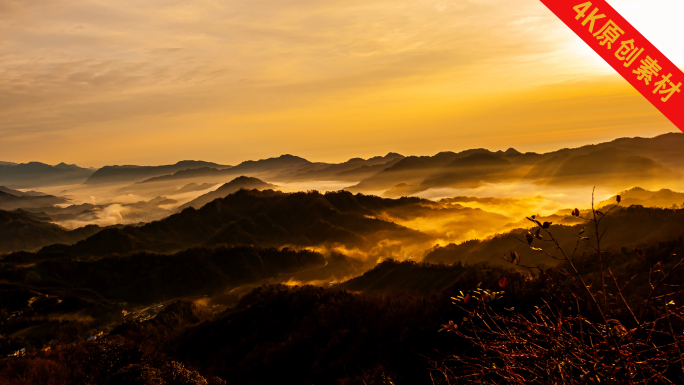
[{"x": 241, "y": 182}]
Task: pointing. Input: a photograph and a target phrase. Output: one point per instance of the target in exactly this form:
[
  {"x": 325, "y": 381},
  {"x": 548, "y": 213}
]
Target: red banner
[{"x": 627, "y": 51}]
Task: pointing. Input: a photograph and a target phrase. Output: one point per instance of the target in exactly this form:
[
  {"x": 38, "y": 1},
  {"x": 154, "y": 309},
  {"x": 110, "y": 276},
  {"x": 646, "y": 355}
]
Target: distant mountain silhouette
[
  {"x": 623, "y": 161},
  {"x": 618, "y": 164},
  {"x": 472, "y": 170},
  {"x": 626, "y": 159},
  {"x": 10, "y": 201},
  {"x": 414, "y": 174},
  {"x": 608, "y": 164},
  {"x": 21, "y": 230},
  {"x": 479, "y": 159},
  {"x": 36, "y": 174},
  {"x": 242, "y": 182},
  {"x": 64, "y": 166},
  {"x": 130, "y": 173},
  {"x": 664, "y": 198},
  {"x": 269, "y": 165},
  {"x": 365, "y": 171},
  {"x": 263, "y": 168},
  {"x": 191, "y": 187},
  {"x": 18, "y": 193},
  {"x": 353, "y": 169},
  {"x": 188, "y": 173},
  {"x": 266, "y": 218},
  {"x": 512, "y": 151}
]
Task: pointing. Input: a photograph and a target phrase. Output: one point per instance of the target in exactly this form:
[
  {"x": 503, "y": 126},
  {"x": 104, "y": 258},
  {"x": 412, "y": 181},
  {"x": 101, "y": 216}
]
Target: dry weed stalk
[{"x": 555, "y": 343}]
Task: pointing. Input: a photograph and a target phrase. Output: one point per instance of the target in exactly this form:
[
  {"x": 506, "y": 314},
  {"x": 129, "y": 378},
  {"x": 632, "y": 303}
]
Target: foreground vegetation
[{"x": 595, "y": 325}]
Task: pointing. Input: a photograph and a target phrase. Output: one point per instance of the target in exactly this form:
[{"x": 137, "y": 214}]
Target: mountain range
[
  {"x": 626, "y": 161},
  {"x": 36, "y": 174},
  {"x": 267, "y": 218},
  {"x": 664, "y": 198},
  {"x": 13, "y": 199},
  {"x": 130, "y": 173},
  {"x": 639, "y": 161}
]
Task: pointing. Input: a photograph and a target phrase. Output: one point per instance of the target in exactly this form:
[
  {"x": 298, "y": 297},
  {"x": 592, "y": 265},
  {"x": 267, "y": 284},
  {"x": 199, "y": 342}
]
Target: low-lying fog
[{"x": 451, "y": 215}]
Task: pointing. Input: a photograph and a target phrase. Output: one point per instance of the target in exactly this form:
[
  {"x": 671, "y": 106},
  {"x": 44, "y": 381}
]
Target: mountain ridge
[
  {"x": 37, "y": 174},
  {"x": 267, "y": 218},
  {"x": 133, "y": 173},
  {"x": 646, "y": 160},
  {"x": 241, "y": 182}
]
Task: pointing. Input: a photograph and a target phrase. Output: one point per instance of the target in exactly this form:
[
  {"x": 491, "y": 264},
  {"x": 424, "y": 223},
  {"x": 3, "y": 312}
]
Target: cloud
[{"x": 171, "y": 73}]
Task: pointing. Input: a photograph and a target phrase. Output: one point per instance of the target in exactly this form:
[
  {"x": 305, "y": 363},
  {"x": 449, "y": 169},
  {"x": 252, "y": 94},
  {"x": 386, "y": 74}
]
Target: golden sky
[{"x": 97, "y": 82}]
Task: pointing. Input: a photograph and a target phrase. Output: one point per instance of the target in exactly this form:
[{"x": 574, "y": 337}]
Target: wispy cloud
[{"x": 160, "y": 80}]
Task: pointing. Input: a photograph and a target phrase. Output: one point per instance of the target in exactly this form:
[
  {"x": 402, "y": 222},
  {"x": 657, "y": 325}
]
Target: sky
[{"x": 96, "y": 82}]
